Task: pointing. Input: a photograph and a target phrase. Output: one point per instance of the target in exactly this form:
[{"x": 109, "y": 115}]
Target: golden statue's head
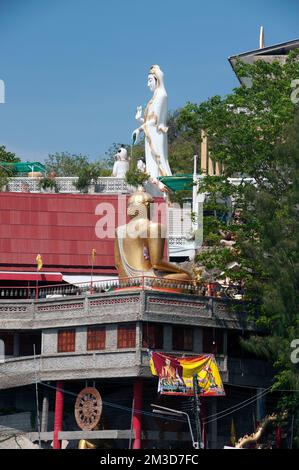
[{"x": 139, "y": 203}]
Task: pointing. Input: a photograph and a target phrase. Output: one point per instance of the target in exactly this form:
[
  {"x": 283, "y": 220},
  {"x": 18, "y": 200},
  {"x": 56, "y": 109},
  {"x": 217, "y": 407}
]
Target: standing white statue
[
  {"x": 153, "y": 124},
  {"x": 121, "y": 165}
]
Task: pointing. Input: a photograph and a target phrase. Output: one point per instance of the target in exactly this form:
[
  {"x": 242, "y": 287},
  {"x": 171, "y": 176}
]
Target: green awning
[
  {"x": 24, "y": 167},
  {"x": 178, "y": 182}
]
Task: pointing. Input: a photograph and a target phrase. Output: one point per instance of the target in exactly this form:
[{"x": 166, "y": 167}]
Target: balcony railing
[
  {"x": 96, "y": 287},
  {"x": 123, "y": 284},
  {"x": 107, "y": 185}
]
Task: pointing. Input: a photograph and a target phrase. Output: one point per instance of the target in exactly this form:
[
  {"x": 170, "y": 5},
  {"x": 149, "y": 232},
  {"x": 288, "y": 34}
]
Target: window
[
  {"x": 152, "y": 335},
  {"x": 96, "y": 337},
  {"x": 7, "y": 338},
  {"x": 66, "y": 340},
  {"x": 182, "y": 338},
  {"x": 126, "y": 335},
  {"x": 212, "y": 340}
]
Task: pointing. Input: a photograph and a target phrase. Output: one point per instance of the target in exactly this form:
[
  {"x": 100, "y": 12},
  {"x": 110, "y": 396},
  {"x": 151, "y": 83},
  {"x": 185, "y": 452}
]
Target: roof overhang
[{"x": 268, "y": 54}]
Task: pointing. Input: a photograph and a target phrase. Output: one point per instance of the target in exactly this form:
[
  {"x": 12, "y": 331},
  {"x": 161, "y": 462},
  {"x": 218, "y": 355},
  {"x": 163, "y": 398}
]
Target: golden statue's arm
[
  {"x": 117, "y": 259},
  {"x": 156, "y": 243}
]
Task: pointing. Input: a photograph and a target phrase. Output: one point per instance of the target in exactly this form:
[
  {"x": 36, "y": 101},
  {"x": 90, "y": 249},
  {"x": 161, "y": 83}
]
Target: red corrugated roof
[{"x": 61, "y": 227}]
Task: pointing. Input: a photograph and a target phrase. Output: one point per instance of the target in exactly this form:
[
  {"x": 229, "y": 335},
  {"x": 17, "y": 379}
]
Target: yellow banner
[
  {"x": 93, "y": 254},
  {"x": 176, "y": 374},
  {"x": 39, "y": 262}
]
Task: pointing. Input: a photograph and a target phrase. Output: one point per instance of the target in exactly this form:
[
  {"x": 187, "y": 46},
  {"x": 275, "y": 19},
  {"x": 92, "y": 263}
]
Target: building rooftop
[{"x": 269, "y": 54}]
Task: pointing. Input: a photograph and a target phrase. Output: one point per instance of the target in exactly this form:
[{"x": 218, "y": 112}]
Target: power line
[
  {"x": 238, "y": 409},
  {"x": 256, "y": 397},
  {"x": 114, "y": 405}
]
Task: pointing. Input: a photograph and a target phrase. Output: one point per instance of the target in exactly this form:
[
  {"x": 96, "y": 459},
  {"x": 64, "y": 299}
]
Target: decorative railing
[
  {"x": 96, "y": 287},
  {"x": 108, "y": 185},
  {"x": 212, "y": 289}
]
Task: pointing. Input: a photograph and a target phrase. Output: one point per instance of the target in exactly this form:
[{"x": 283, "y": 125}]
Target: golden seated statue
[{"x": 139, "y": 245}]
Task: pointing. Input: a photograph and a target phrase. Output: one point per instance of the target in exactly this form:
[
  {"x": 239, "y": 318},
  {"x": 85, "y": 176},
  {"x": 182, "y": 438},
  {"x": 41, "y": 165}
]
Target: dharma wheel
[{"x": 88, "y": 408}]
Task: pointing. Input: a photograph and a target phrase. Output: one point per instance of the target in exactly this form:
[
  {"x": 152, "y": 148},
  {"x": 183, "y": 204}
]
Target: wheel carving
[{"x": 88, "y": 408}]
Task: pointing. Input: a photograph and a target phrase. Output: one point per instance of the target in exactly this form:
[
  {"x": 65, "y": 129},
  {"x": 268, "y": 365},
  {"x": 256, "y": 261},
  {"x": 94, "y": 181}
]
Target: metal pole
[
  {"x": 37, "y": 403},
  {"x": 132, "y": 415},
  {"x": 171, "y": 412},
  {"x": 197, "y": 410}
]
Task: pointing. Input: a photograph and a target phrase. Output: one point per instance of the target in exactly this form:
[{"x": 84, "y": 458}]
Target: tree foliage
[
  {"x": 7, "y": 156},
  {"x": 66, "y": 164},
  {"x": 5, "y": 172},
  {"x": 254, "y": 131}
]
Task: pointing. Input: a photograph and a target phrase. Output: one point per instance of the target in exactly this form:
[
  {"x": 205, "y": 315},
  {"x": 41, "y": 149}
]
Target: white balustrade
[{"x": 107, "y": 185}]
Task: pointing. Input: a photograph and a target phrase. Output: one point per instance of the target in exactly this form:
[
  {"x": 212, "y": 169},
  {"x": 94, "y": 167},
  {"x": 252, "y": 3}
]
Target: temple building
[
  {"x": 64, "y": 334},
  {"x": 75, "y": 323}
]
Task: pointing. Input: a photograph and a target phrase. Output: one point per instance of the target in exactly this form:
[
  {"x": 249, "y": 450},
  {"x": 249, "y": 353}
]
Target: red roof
[{"x": 61, "y": 227}]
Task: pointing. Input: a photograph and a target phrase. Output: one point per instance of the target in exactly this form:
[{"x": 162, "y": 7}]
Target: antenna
[{"x": 262, "y": 38}]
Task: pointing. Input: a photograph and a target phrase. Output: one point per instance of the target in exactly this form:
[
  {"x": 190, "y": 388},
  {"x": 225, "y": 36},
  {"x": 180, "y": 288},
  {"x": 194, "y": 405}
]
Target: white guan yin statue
[{"x": 153, "y": 125}]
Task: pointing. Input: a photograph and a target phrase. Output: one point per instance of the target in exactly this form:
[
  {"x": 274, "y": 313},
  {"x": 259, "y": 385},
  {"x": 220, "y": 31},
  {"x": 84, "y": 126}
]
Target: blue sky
[{"x": 75, "y": 70}]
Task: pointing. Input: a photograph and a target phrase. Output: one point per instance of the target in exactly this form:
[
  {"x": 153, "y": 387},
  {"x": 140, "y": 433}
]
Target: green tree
[
  {"x": 66, "y": 164},
  {"x": 89, "y": 174},
  {"x": 253, "y": 132},
  {"x": 245, "y": 127},
  {"x": 6, "y": 172},
  {"x": 6, "y": 156},
  {"x": 182, "y": 145}
]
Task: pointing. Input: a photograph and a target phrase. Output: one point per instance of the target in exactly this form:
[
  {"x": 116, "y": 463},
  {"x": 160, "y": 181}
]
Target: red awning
[{"x": 30, "y": 276}]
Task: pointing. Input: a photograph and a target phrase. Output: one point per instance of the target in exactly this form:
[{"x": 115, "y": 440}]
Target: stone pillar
[
  {"x": 204, "y": 153},
  {"x": 49, "y": 341},
  {"x": 81, "y": 339},
  {"x": 210, "y": 166},
  {"x": 138, "y": 342},
  {"x": 45, "y": 413},
  {"x": 58, "y": 418},
  {"x": 218, "y": 169},
  {"x": 137, "y": 416},
  {"x": 111, "y": 336}
]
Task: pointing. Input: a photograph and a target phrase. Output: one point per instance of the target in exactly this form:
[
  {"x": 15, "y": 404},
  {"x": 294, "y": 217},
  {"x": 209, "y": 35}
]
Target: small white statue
[
  {"x": 121, "y": 165},
  {"x": 153, "y": 124},
  {"x": 141, "y": 165}
]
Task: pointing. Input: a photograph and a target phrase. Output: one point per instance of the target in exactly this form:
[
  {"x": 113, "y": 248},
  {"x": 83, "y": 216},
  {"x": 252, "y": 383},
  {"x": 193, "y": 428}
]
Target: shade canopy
[
  {"x": 24, "y": 167},
  {"x": 178, "y": 182}
]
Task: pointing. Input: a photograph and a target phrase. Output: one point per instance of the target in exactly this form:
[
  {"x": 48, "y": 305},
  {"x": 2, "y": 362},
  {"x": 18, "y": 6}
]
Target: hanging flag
[
  {"x": 93, "y": 254},
  {"x": 176, "y": 374},
  {"x": 233, "y": 435},
  {"x": 39, "y": 262}
]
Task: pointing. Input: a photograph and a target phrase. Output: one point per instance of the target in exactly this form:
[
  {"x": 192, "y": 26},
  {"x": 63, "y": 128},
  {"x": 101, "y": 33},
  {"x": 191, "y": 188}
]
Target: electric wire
[{"x": 253, "y": 398}]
